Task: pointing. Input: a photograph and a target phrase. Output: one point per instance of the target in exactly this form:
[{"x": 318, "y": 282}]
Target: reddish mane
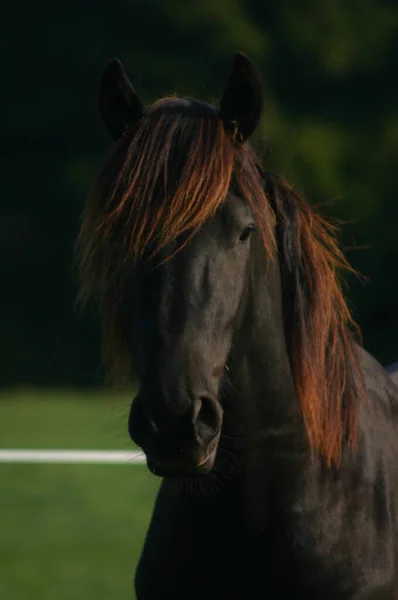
[{"x": 169, "y": 175}]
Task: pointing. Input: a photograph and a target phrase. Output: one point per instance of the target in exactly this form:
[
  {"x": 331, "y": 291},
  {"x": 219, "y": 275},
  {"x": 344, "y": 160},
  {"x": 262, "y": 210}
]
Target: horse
[{"x": 274, "y": 432}]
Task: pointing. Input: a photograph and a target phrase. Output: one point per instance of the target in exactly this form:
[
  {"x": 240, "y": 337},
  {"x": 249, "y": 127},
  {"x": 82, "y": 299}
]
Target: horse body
[
  {"x": 288, "y": 524},
  {"x": 275, "y": 432}
]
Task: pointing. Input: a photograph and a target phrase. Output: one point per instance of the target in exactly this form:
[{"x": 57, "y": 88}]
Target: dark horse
[{"x": 275, "y": 433}]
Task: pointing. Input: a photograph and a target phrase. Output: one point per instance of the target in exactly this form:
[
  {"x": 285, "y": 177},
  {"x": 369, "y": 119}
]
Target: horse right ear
[
  {"x": 118, "y": 103},
  {"x": 242, "y": 101}
]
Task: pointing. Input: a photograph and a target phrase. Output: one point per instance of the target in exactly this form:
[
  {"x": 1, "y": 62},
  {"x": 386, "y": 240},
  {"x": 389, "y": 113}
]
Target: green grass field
[{"x": 70, "y": 532}]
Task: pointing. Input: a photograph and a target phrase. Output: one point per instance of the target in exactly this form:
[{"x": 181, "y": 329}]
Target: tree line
[{"x": 330, "y": 72}]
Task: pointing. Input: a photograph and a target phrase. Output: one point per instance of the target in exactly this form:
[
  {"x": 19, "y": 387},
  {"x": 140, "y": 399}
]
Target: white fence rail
[{"x": 71, "y": 456}]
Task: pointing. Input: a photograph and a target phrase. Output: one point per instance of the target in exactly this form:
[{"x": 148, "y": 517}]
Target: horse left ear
[
  {"x": 242, "y": 101},
  {"x": 119, "y": 105}
]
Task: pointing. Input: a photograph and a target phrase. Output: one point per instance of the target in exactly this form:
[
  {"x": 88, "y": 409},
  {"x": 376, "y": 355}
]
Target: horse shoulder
[{"x": 345, "y": 520}]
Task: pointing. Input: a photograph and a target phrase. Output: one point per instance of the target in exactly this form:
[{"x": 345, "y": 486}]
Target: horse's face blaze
[{"x": 182, "y": 314}]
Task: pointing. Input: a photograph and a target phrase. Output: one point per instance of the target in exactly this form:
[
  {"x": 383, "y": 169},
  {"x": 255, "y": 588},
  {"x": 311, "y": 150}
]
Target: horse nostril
[
  {"x": 208, "y": 419},
  {"x": 140, "y": 423}
]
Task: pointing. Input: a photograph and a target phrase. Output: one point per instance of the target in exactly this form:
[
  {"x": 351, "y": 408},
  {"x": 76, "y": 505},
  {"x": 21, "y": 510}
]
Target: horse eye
[{"x": 246, "y": 233}]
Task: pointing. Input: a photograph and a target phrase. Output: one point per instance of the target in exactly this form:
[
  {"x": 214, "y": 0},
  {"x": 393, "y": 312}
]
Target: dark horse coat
[{"x": 275, "y": 432}]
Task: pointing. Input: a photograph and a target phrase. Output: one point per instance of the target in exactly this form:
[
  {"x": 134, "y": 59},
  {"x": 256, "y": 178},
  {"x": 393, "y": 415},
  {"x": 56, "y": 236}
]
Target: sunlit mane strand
[
  {"x": 174, "y": 178},
  {"x": 320, "y": 329},
  {"x": 176, "y": 172}
]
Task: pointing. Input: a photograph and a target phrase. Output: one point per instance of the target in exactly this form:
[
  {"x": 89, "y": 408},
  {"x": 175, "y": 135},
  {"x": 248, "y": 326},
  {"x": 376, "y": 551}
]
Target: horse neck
[
  {"x": 265, "y": 366},
  {"x": 264, "y": 407}
]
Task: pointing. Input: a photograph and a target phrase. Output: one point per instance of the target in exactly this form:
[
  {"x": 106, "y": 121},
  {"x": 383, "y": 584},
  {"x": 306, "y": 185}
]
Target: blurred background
[{"x": 330, "y": 71}]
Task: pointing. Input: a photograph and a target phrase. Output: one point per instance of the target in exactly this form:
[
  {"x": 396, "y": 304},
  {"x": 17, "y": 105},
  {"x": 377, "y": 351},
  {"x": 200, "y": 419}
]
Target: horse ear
[
  {"x": 242, "y": 101},
  {"x": 118, "y": 103}
]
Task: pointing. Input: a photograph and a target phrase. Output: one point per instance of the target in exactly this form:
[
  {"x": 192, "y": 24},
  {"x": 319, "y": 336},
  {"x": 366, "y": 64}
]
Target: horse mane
[
  {"x": 319, "y": 328},
  {"x": 166, "y": 177}
]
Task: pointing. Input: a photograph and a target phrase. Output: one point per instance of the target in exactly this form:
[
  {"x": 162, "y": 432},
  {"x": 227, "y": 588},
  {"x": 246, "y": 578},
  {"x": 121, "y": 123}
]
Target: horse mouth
[{"x": 184, "y": 468}]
